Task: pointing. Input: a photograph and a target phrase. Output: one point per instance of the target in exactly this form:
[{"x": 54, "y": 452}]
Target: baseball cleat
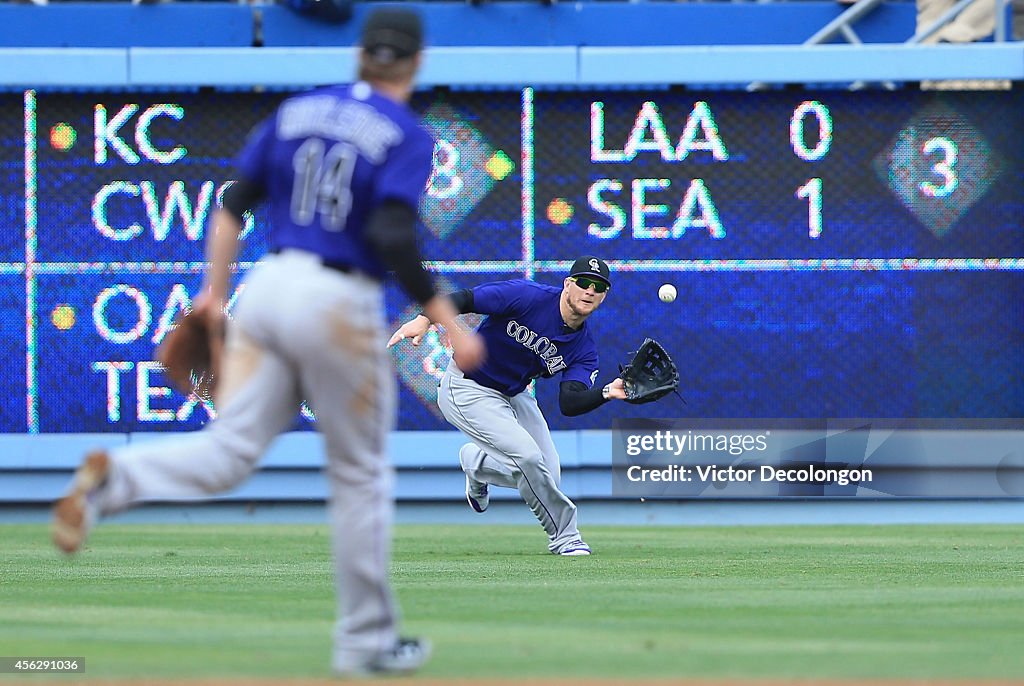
[
  {"x": 76, "y": 512},
  {"x": 407, "y": 655},
  {"x": 575, "y": 549},
  {"x": 477, "y": 494}
]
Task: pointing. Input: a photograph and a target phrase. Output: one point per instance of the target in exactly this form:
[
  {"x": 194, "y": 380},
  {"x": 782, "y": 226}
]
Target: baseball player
[
  {"x": 531, "y": 330},
  {"x": 342, "y": 169}
]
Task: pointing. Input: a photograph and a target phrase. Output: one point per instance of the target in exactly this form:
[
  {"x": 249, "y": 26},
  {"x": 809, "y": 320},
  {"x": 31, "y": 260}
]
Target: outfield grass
[{"x": 740, "y": 602}]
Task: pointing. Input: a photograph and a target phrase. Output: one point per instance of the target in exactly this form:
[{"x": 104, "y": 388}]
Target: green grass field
[{"x": 888, "y": 602}]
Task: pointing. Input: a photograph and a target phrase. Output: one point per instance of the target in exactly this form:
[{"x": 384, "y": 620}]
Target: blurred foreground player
[{"x": 342, "y": 169}]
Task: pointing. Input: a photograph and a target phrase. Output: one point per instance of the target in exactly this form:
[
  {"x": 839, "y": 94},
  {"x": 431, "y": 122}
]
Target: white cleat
[
  {"x": 75, "y": 513},
  {"x": 575, "y": 548},
  {"x": 477, "y": 494},
  {"x": 407, "y": 655}
]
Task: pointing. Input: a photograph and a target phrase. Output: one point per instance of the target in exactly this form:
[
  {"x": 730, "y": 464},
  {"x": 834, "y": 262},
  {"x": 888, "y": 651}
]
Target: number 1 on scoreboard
[{"x": 812, "y": 191}]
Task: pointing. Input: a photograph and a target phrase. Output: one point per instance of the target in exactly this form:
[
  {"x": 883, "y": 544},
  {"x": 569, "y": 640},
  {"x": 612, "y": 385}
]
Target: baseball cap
[
  {"x": 588, "y": 265},
  {"x": 392, "y": 33}
]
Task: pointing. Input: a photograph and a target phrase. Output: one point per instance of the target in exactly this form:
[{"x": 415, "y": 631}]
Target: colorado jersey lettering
[
  {"x": 526, "y": 337},
  {"x": 540, "y": 345},
  {"x": 326, "y": 160}
]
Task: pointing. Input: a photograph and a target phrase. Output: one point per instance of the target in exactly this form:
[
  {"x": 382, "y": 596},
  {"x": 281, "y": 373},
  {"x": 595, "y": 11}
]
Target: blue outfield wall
[{"x": 37, "y": 469}]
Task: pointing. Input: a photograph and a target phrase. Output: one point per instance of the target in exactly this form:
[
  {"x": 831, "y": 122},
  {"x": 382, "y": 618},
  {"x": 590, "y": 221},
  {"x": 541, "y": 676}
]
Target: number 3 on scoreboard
[
  {"x": 946, "y": 167},
  {"x": 812, "y": 191}
]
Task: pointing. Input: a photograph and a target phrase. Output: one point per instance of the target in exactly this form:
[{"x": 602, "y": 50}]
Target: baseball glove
[
  {"x": 650, "y": 375},
  {"x": 190, "y": 353}
]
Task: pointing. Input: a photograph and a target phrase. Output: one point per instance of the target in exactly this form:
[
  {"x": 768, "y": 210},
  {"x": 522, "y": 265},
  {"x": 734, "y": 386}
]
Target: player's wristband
[{"x": 606, "y": 392}]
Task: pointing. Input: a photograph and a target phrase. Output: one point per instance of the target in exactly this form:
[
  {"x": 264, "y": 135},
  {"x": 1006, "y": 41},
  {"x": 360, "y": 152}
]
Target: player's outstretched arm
[
  {"x": 414, "y": 330},
  {"x": 574, "y": 398},
  {"x": 417, "y": 327},
  {"x": 469, "y": 351}
]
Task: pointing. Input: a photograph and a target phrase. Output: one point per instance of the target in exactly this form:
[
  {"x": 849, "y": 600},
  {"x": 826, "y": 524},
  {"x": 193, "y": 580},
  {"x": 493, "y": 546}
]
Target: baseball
[{"x": 667, "y": 292}]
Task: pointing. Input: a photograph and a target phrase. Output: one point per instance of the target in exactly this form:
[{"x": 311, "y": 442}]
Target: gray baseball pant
[{"x": 513, "y": 449}]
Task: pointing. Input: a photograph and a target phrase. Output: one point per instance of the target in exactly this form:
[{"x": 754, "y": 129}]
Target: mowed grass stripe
[{"x": 923, "y": 602}]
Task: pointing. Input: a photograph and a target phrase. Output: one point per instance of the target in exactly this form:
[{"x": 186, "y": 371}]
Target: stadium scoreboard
[{"x": 837, "y": 254}]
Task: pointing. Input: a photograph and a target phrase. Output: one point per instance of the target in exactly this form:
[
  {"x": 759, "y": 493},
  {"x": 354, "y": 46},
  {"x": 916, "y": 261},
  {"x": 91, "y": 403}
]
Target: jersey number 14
[{"x": 322, "y": 183}]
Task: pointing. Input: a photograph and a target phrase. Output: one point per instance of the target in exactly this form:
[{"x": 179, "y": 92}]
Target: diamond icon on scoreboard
[
  {"x": 939, "y": 166},
  {"x": 466, "y": 167}
]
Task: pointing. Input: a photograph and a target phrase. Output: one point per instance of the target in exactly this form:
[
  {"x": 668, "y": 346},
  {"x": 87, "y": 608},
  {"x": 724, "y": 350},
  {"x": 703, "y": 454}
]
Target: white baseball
[{"x": 667, "y": 292}]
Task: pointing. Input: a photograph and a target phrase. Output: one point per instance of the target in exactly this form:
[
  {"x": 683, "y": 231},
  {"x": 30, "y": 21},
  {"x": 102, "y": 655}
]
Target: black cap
[
  {"x": 392, "y": 33},
  {"x": 588, "y": 265}
]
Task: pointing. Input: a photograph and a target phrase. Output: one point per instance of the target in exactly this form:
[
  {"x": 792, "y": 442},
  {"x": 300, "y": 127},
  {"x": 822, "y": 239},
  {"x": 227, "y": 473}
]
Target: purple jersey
[
  {"x": 526, "y": 337},
  {"x": 326, "y": 159}
]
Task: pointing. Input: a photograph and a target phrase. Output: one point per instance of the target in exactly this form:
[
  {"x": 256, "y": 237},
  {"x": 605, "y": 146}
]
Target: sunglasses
[{"x": 585, "y": 283}]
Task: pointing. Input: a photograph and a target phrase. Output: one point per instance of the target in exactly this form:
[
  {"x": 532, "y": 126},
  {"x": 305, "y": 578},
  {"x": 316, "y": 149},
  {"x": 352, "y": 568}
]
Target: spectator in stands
[{"x": 975, "y": 22}]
